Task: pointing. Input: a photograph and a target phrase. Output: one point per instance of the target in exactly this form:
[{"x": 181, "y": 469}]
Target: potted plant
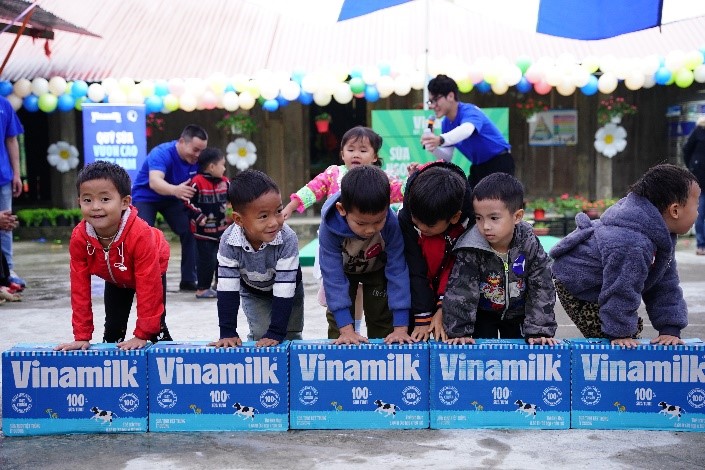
[
  {"x": 568, "y": 205},
  {"x": 539, "y": 206},
  {"x": 612, "y": 109},
  {"x": 154, "y": 123},
  {"x": 541, "y": 228},
  {"x": 528, "y": 108},
  {"x": 594, "y": 209},
  {"x": 236, "y": 124},
  {"x": 322, "y": 122}
]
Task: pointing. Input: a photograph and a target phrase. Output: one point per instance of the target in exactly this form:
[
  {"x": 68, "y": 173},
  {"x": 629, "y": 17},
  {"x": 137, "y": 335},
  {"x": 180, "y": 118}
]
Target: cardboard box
[
  {"x": 195, "y": 387},
  {"x": 100, "y": 390},
  {"x": 648, "y": 387},
  {"x": 500, "y": 384},
  {"x": 370, "y": 386}
]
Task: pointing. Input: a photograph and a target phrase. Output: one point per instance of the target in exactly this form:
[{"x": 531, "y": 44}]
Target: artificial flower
[
  {"x": 610, "y": 139},
  {"x": 241, "y": 153},
  {"x": 63, "y": 156}
]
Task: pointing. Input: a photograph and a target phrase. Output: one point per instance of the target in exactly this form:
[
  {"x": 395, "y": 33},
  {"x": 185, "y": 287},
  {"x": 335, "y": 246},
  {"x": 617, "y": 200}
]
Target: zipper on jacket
[
  {"x": 106, "y": 252},
  {"x": 506, "y": 282}
]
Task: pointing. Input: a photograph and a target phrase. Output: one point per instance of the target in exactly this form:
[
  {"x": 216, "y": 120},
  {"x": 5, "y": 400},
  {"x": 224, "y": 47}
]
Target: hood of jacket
[{"x": 332, "y": 219}]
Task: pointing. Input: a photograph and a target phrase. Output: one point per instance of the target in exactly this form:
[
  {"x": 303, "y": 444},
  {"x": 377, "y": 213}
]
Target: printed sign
[{"x": 554, "y": 128}]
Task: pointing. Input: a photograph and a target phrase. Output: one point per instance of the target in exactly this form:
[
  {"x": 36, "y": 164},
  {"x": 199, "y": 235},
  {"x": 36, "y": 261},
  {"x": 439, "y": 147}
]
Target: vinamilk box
[
  {"x": 368, "y": 386},
  {"x": 196, "y": 387},
  {"x": 500, "y": 384},
  {"x": 647, "y": 387},
  {"x": 99, "y": 390}
]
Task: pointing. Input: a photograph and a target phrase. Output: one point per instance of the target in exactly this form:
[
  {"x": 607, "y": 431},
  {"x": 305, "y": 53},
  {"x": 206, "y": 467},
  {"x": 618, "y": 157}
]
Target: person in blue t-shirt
[
  {"x": 162, "y": 186},
  {"x": 468, "y": 129}
]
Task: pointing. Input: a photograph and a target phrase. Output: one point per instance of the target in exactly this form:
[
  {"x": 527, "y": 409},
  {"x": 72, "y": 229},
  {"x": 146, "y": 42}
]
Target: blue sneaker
[{"x": 16, "y": 279}]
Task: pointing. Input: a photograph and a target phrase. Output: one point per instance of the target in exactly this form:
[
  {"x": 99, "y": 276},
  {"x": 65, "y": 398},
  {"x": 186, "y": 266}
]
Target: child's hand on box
[
  {"x": 463, "y": 340},
  {"x": 544, "y": 341},
  {"x": 73, "y": 346},
  {"x": 134, "y": 343},
  {"x": 265, "y": 342},
  {"x": 625, "y": 342},
  {"x": 348, "y": 335},
  {"x": 399, "y": 335},
  {"x": 667, "y": 340},
  {"x": 227, "y": 342},
  {"x": 421, "y": 332},
  {"x": 439, "y": 333}
]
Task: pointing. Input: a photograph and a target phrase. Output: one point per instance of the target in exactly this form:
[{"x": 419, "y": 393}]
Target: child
[
  {"x": 258, "y": 261},
  {"x": 207, "y": 212},
  {"x": 437, "y": 210},
  {"x": 359, "y": 146},
  {"x": 113, "y": 243},
  {"x": 605, "y": 267},
  {"x": 360, "y": 243},
  {"x": 501, "y": 283}
]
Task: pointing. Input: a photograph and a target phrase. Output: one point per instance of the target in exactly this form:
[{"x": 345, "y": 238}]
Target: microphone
[{"x": 429, "y": 127}]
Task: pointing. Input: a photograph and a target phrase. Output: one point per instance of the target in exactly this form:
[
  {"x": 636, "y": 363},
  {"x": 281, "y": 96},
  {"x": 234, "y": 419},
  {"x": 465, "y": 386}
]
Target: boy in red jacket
[{"x": 111, "y": 242}]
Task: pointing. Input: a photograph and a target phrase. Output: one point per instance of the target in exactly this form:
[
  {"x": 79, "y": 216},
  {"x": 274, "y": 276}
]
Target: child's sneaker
[{"x": 16, "y": 279}]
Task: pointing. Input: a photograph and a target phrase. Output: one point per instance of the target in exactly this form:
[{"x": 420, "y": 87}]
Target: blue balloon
[
  {"x": 282, "y": 101},
  {"x": 524, "y": 86},
  {"x": 79, "y": 88},
  {"x": 590, "y": 88},
  {"x": 153, "y": 104},
  {"x": 65, "y": 102},
  {"x": 229, "y": 87},
  {"x": 305, "y": 97},
  {"x": 5, "y": 88},
  {"x": 31, "y": 103},
  {"x": 270, "y": 105},
  {"x": 356, "y": 73},
  {"x": 371, "y": 93},
  {"x": 297, "y": 76},
  {"x": 161, "y": 88},
  {"x": 483, "y": 87},
  {"x": 384, "y": 69},
  {"x": 662, "y": 76}
]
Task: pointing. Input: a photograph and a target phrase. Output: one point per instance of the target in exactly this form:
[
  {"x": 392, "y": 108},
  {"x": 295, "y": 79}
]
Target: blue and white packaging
[
  {"x": 647, "y": 387},
  {"x": 196, "y": 387},
  {"x": 370, "y": 386},
  {"x": 99, "y": 390},
  {"x": 500, "y": 384}
]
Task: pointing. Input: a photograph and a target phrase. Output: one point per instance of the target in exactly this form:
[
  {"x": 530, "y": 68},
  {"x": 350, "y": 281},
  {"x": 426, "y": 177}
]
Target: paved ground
[{"x": 45, "y": 316}]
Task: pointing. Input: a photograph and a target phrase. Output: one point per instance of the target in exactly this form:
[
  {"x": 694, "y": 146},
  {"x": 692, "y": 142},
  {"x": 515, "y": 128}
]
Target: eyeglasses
[{"x": 434, "y": 100}]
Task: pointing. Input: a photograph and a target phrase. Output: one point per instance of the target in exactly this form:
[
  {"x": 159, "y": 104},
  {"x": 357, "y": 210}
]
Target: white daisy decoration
[
  {"x": 63, "y": 156},
  {"x": 242, "y": 153},
  {"x": 610, "y": 139}
]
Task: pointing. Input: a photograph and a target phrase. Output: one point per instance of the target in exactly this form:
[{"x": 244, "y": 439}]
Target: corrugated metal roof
[{"x": 197, "y": 38}]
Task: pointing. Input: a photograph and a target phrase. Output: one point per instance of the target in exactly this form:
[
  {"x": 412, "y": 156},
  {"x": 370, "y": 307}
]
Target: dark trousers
[
  {"x": 176, "y": 217},
  {"x": 489, "y": 325},
  {"x": 207, "y": 262},
  {"x": 118, "y": 303},
  {"x": 502, "y": 163}
]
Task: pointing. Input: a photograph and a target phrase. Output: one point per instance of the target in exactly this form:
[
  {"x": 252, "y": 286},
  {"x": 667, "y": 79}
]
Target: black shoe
[{"x": 188, "y": 286}]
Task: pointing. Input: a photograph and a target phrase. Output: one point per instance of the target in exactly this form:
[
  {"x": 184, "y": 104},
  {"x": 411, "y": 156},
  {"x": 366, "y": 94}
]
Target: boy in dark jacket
[
  {"x": 208, "y": 219},
  {"x": 501, "y": 282},
  {"x": 437, "y": 210},
  {"x": 606, "y": 267},
  {"x": 360, "y": 243}
]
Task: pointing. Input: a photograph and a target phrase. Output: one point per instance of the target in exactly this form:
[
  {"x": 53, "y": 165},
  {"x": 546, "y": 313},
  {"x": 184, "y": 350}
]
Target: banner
[
  {"x": 115, "y": 133},
  {"x": 554, "y": 128}
]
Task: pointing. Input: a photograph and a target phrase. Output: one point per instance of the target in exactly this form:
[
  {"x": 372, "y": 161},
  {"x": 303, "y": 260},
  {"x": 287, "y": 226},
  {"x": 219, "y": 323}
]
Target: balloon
[
  {"x": 310, "y": 83},
  {"x": 684, "y": 78},
  {"x": 297, "y": 76},
  {"x": 176, "y": 87},
  {"x": 79, "y": 89},
  {"x": 117, "y": 96},
  {"x": 384, "y": 69},
  {"x": 134, "y": 96},
  {"x": 188, "y": 102},
  {"x": 591, "y": 87},
  {"x": 542, "y": 88},
  {"x": 357, "y": 85},
  {"x": 48, "y": 102},
  {"x": 15, "y": 101},
  {"x": 343, "y": 94},
  {"x": 270, "y": 105},
  {"x": 305, "y": 97},
  {"x": 208, "y": 100},
  {"x": 57, "y": 86},
  {"x": 371, "y": 93},
  {"x": 523, "y": 86},
  {"x": 247, "y": 101},
  {"x": 499, "y": 87},
  {"x": 217, "y": 83},
  {"x": 40, "y": 86},
  {"x": 126, "y": 84},
  {"x": 523, "y": 63},
  {"x": 693, "y": 59},
  {"x": 290, "y": 90},
  {"x": 171, "y": 103},
  {"x": 465, "y": 85},
  {"x": 31, "y": 103},
  {"x": 402, "y": 85},
  {"x": 385, "y": 86},
  {"x": 634, "y": 81},
  {"x": 153, "y": 104},
  {"x": 370, "y": 75},
  {"x": 109, "y": 84},
  {"x": 321, "y": 98},
  {"x": 565, "y": 88},
  {"x": 79, "y": 102},
  {"x": 607, "y": 83},
  {"x": 5, "y": 88},
  {"x": 96, "y": 93},
  {"x": 282, "y": 101},
  {"x": 22, "y": 87},
  {"x": 662, "y": 75},
  {"x": 483, "y": 87},
  {"x": 65, "y": 103},
  {"x": 231, "y": 102},
  {"x": 161, "y": 88},
  {"x": 269, "y": 90},
  {"x": 146, "y": 87},
  {"x": 699, "y": 73}
]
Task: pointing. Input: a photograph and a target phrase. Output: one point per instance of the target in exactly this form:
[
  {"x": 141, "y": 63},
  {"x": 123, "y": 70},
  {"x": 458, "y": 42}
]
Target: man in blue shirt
[
  {"x": 162, "y": 186},
  {"x": 468, "y": 129}
]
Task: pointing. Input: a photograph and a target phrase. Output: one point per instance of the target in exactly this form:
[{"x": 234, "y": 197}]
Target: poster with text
[{"x": 554, "y": 128}]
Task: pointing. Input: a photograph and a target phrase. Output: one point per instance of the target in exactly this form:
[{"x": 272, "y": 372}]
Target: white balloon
[
  {"x": 553, "y": 76},
  {"x": 117, "y": 96},
  {"x": 385, "y": 86},
  {"x": 268, "y": 89},
  {"x": 290, "y": 90},
  {"x": 699, "y": 73},
  {"x": 581, "y": 76},
  {"x": 418, "y": 80},
  {"x": 402, "y": 85},
  {"x": 675, "y": 60},
  {"x": 247, "y": 101},
  {"x": 196, "y": 86},
  {"x": 146, "y": 87},
  {"x": 134, "y": 96},
  {"x": 40, "y": 86},
  {"x": 499, "y": 87},
  {"x": 208, "y": 100},
  {"x": 310, "y": 83},
  {"x": 608, "y": 63},
  {"x": 57, "y": 86},
  {"x": 22, "y": 88},
  {"x": 126, "y": 84},
  {"x": 370, "y": 75},
  {"x": 649, "y": 81},
  {"x": 231, "y": 102},
  {"x": 109, "y": 84},
  {"x": 15, "y": 101},
  {"x": 96, "y": 92},
  {"x": 590, "y": 64},
  {"x": 321, "y": 98},
  {"x": 650, "y": 64},
  {"x": 512, "y": 75},
  {"x": 188, "y": 102},
  {"x": 217, "y": 83},
  {"x": 176, "y": 86},
  {"x": 607, "y": 83},
  {"x": 634, "y": 81},
  {"x": 566, "y": 87},
  {"x": 343, "y": 94}
]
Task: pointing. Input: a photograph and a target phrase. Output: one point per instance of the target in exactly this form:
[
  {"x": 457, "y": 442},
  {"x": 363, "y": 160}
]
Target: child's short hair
[
  {"x": 365, "y": 188},
  {"x": 248, "y": 186},
  {"x": 361, "y": 132},
  {"x": 442, "y": 85},
  {"x": 664, "y": 185},
  {"x": 108, "y": 171},
  {"x": 437, "y": 193},
  {"x": 503, "y": 187},
  {"x": 192, "y": 131},
  {"x": 209, "y": 155}
]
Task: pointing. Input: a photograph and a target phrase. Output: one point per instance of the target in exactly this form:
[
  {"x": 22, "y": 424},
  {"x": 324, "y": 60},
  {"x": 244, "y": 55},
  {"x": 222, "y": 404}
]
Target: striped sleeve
[
  {"x": 228, "y": 289},
  {"x": 287, "y": 269}
]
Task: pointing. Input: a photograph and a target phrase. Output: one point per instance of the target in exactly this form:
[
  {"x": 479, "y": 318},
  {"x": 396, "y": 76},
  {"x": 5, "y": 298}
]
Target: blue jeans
[
  {"x": 6, "y": 235},
  {"x": 258, "y": 311},
  {"x": 699, "y": 222},
  {"x": 176, "y": 217}
]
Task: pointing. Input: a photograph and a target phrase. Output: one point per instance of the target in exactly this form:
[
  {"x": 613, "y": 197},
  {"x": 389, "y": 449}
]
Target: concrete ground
[{"x": 44, "y": 315}]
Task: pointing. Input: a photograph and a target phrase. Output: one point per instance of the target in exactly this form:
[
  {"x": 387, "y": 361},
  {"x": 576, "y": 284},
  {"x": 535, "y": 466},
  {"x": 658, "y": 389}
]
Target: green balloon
[
  {"x": 523, "y": 63},
  {"x": 357, "y": 85},
  {"x": 47, "y": 102},
  {"x": 684, "y": 78}
]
